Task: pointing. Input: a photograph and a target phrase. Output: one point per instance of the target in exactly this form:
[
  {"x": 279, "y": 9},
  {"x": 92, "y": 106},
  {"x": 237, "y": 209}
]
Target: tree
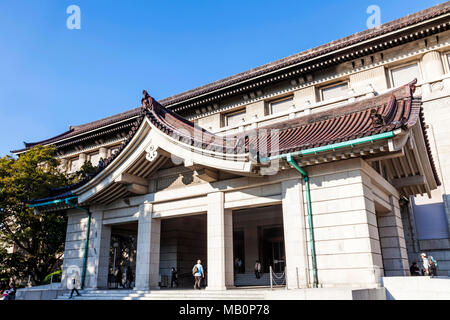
[{"x": 39, "y": 237}]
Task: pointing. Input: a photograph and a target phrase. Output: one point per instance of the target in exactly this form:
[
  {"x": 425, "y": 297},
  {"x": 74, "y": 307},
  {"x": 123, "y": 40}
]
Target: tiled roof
[
  {"x": 80, "y": 129},
  {"x": 330, "y": 47},
  {"x": 393, "y": 110}
]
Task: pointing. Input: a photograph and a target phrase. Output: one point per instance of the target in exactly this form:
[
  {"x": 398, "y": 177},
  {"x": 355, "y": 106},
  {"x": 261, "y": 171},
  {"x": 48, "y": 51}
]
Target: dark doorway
[
  {"x": 272, "y": 248},
  {"x": 122, "y": 256},
  {"x": 239, "y": 252}
]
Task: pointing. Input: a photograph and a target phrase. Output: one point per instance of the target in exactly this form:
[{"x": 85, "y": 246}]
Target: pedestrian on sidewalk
[
  {"x": 75, "y": 284},
  {"x": 426, "y": 264},
  {"x": 198, "y": 273},
  {"x": 433, "y": 266}
]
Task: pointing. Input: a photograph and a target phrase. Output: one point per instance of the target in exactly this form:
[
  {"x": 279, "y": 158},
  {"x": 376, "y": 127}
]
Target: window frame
[
  {"x": 280, "y": 99},
  {"x": 233, "y": 113},
  {"x": 71, "y": 162},
  {"x": 446, "y": 62},
  {"x": 334, "y": 84},
  {"x": 415, "y": 62}
]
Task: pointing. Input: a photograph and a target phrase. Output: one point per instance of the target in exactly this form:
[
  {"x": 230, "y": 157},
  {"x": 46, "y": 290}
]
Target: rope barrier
[{"x": 277, "y": 279}]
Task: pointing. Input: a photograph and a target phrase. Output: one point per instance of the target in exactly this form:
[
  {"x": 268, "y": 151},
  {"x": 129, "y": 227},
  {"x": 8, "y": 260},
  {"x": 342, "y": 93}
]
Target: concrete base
[
  {"x": 327, "y": 294},
  {"x": 417, "y": 288},
  {"x": 47, "y": 292},
  {"x": 234, "y": 294}
]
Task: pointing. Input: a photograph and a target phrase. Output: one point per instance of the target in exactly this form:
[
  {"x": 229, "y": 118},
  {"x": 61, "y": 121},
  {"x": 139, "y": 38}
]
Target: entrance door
[
  {"x": 273, "y": 254},
  {"x": 278, "y": 256}
]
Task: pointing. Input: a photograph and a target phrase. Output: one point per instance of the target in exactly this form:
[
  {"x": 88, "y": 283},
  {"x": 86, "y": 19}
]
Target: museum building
[{"x": 329, "y": 167}]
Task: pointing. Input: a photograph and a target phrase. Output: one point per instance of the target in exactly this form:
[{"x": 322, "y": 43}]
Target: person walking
[
  {"x": 75, "y": 284},
  {"x": 174, "y": 278},
  {"x": 119, "y": 277},
  {"x": 433, "y": 266},
  {"x": 198, "y": 273},
  {"x": 129, "y": 277},
  {"x": 426, "y": 265},
  {"x": 258, "y": 269}
]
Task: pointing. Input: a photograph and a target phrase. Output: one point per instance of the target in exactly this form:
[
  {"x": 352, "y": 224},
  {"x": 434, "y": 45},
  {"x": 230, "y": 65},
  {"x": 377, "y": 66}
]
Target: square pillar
[
  {"x": 220, "y": 243},
  {"x": 148, "y": 248},
  {"x": 98, "y": 266},
  {"x": 294, "y": 234},
  {"x": 392, "y": 240}
]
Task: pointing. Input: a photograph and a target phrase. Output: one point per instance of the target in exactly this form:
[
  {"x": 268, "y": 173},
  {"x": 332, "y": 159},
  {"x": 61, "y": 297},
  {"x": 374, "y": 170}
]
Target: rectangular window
[
  {"x": 333, "y": 91},
  {"x": 281, "y": 105},
  {"x": 448, "y": 62},
  {"x": 405, "y": 74},
  {"x": 95, "y": 158},
  {"x": 431, "y": 221},
  {"x": 234, "y": 118},
  {"x": 74, "y": 165}
]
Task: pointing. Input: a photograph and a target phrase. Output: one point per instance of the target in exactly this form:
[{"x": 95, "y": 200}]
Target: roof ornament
[
  {"x": 412, "y": 86},
  {"x": 377, "y": 119},
  {"x": 146, "y": 101}
]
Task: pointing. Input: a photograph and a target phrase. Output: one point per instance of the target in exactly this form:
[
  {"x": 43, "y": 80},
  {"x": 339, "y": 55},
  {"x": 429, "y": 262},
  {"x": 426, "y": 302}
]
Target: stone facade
[{"x": 363, "y": 228}]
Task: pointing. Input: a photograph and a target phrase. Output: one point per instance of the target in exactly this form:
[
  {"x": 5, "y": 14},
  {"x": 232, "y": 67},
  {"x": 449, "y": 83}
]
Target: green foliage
[
  {"x": 86, "y": 169},
  {"x": 39, "y": 238}
]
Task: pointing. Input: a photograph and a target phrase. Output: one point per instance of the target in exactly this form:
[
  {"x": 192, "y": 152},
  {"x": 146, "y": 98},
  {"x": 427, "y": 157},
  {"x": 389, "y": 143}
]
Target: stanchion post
[
  {"x": 285, "y": 278},
  {"x": 270, "y": 270}
]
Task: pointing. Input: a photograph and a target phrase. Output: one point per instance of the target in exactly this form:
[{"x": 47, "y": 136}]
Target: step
[{"x": 166, "y": 295}]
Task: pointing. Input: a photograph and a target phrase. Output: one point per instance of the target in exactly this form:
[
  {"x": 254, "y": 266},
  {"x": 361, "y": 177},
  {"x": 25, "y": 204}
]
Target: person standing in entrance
[
  {"x": 129, "y": 277},
  {"x": 258, "y": 269},
  {"x": 174, "y": 278},
  {"x": 198, "y": 273}
]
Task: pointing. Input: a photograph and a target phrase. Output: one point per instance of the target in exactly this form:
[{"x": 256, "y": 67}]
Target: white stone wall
[{"x": 347, "y": 240}]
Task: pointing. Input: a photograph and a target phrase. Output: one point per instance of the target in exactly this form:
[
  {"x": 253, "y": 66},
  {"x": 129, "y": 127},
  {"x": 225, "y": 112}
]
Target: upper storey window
[
  {"x": 234, "y": 118},
  {"x": 281, "y": 105},
  {"x": 95, "y": 159},
  {"x": 448, "y": 61},
  {"x": 404, "y": 74},
  {"x": 333, "y": 91},
  {"x": 74, "y": 165}
]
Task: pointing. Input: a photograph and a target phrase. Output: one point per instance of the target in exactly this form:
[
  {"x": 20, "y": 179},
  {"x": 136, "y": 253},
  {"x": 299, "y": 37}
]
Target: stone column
[
  {"x": 294, "y": 234},
  {"x": 103, "y": 152},
  {"x": 148, "y": 248},
  {"x": 81, "y": 159},
  {"x": 98, "y": 263},
  {"x": 392, "y": 240},
  {"x": 220, "y": 243},
  {"x": 432, "y": 66}
]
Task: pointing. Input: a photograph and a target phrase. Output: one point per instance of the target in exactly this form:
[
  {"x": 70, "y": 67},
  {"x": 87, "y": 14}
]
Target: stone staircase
[
  {"x": 249, "y": 279},
  {"x": 164, "y": 294}
]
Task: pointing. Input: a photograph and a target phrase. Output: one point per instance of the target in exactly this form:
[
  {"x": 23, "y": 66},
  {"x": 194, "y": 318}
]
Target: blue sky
[{"x": 52, "y": 77}]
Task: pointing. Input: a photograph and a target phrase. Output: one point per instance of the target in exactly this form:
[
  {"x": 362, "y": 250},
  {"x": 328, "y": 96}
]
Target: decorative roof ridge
[
  {"x": 76, "y": 130},
  {"x": 386, "y": 107}
]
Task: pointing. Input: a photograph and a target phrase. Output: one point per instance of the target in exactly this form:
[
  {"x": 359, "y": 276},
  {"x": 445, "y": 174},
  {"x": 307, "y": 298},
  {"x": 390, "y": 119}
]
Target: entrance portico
[{"x": 170, "y": 170}]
